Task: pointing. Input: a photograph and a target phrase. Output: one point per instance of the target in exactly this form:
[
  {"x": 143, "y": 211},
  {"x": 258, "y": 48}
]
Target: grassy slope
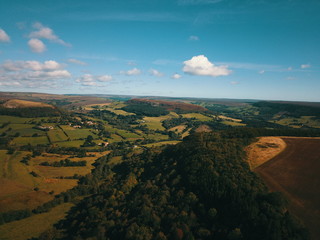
[{"x": 34, "y": 225}]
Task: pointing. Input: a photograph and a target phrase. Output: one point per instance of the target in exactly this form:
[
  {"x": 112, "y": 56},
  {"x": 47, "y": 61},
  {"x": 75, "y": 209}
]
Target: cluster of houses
[
  {"x": 90, "y": 123},
  {"x": 45, "y": 128}
]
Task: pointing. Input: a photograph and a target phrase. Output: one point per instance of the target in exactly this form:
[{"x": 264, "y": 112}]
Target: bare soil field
[{"x": 296, "y": 173}]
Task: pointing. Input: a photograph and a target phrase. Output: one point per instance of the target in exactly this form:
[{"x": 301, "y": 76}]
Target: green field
[
  {"x": 30, "y": 140},
  {"x": 57, "y": 135},
  {"x": 119, "y": 111},
  {"x": 155, "y": 123},
  {"x": 309, "y": 121},
  {"x": 161, "y": 143},
  {"x": 17, "y": 184},
  {"x": 197, "y": 116},
  {"x": 12, "y": 119},
  {"x": 34, "y": 225},
  {"x": 75, "y": 133}
]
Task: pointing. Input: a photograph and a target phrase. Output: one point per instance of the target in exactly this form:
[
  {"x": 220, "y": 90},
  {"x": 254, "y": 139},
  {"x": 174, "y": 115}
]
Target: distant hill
[
  {"x": 17, "y": 103},
  {"x": 172, "y": 106}
]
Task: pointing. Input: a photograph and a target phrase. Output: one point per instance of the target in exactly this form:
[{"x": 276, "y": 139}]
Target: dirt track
[{"x": 296, "y": 173}]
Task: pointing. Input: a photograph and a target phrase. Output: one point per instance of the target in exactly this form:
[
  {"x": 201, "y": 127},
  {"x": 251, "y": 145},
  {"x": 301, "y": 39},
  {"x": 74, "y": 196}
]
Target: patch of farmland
[
  {"x": 119, "y": 111},
  {"x": 309, "y": 121},
  {"x": 73, "y": 143},
  {"x": 33, "y": 226},
  {"x": 197, "y": 116},
  {"x": 232, "y": 123},
  {"x": 156, "y": 136},
  {"x": 295, "y": 172},
  {"x": 30, "y": 140},
  {"x": 186, "y": 133},
  {"x": 17, "y": 184},
  {"x": 12, "y": 119},
  {"x": 263, "y": 150},
  {"x": 57, "y": 135},
  {"x": 24, "y": 130},
  {"x": 155, "y": 123},
  {"x": 178, "y": 129},
  {"x": 75, "y": 133},
  {"x": 115, "y": 138},
  {"x": 157, "y": 144}
]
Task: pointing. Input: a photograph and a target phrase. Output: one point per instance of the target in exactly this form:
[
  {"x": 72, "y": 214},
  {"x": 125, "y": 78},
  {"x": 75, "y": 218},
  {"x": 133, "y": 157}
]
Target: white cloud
[
  {"x": 46, "y": 33},
  {"x": 32, "y": 73},
  {"x": 36, "y": 45},
  {"x": 304, "y": 66},
  {"x": 104, "y": 78},
  {"x": 31, "y": 65},
  {"x": 234, "y": 82},
  {"x": 75, "y": 61},
  {"x": 201, "y": 66},
  {"x": 132, "y": 72},
  {"x": 4, "y": 37},
  {"x": 290, "y": 68},
  {"x": 156, "y": 73},
  {"x": 262, "y": 71},
  {"x": 176, "y": 76},
  {"x": 92, "y": 80},
  {"x": 194, "y": 38}
]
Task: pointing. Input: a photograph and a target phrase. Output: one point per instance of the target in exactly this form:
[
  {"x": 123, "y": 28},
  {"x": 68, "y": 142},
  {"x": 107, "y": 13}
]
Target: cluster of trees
[
  {"x": 199, "y": 189},
  {"x": 65, "y": 163},
  {"x": 145, "y": 109},
  {"x": 88, "y": 142},
  {"x": 173, "y": 122},
  {"x": 30, "y": 112},
  {"x": 269, "y": 109}
]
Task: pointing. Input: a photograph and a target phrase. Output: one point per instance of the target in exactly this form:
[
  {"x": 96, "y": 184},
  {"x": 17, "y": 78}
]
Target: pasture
[
  {"x": 57, "y": 135},
  {"x": 21, "y": 141},
  {"x": 155, "y": 123},
  {"x": 309, "y": 121},
  {"x": 35, "y": 225},
  {"x": 158, "y": 144},
  {"x": 75, "y": 133},
  {"x": 198, "y": 116}
]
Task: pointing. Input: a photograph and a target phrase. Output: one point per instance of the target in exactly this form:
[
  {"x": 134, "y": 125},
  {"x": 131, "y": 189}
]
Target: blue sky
[{"x": 249, "y": 49}]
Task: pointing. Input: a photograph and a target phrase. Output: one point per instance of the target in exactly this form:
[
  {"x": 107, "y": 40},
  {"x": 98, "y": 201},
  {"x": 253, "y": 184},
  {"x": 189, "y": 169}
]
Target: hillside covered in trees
[{"x": 199, "y": 189}]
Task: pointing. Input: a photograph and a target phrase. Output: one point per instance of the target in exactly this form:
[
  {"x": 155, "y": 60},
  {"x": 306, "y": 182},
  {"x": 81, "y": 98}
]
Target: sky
[{"x": 248, "y": 49}]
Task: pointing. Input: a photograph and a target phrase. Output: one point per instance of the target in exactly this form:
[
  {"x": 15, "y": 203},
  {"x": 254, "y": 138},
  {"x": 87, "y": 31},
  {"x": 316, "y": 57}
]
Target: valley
[{"x": 58, "y": 151}]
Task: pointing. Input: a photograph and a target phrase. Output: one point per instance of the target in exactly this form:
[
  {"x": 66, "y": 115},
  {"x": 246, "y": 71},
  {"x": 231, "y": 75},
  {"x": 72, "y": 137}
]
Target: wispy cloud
[
  {"x": 131, "y": 72},
  {"x": 4, "y": 37},
  {"x": 76, "y": 61},
  {"x": 43, "y": 32},
  {"x": 304, "y": 66},
  {"x": 234, "y": 82},
  {"x": 155, "y": 73},
  {"x": 194, "y": 38}
]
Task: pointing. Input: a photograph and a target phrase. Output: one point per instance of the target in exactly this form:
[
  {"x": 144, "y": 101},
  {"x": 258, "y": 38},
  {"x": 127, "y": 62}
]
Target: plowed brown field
[{"x": 296, "y": 173}]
